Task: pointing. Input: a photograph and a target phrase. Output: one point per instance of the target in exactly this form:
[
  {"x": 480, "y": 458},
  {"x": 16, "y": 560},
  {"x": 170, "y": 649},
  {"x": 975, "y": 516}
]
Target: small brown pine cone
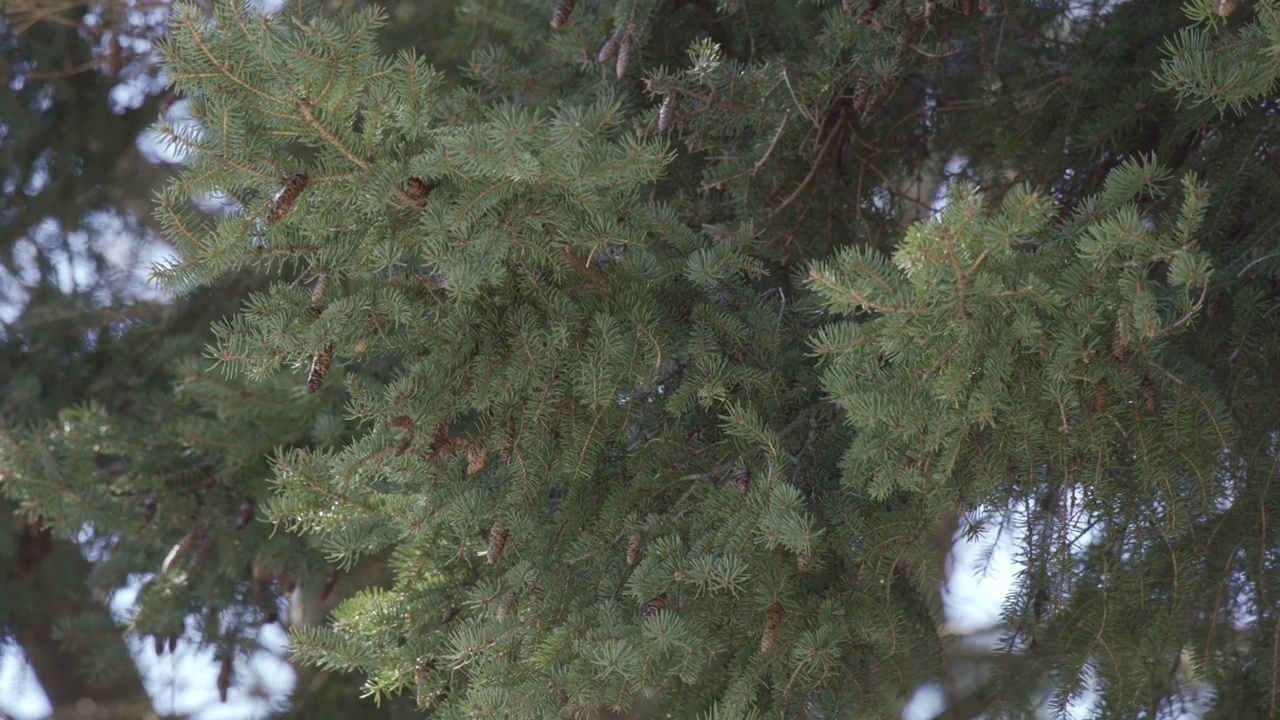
[
  {"x": 625, "y": 48},
  {"x": 497, "y": 541},
  {"x": 202, "y": 554},
  {"x": 861, "y": 95},
  {"x": 1150, "y": 397},
  {"x": 423, "y": 671},
  {"x": 225, "y": 675},
  {"x": 440, "y": 442},
  {"x": 178, "y": 552},
  {"x": 402, "y": 445},
  {"x": 652, "y": 607},
  {"x": 561, "y": 12},
  {"x": 667, "y": 111},
  {"x": 508, "y": 608},
  {"x": 742, "y": 480},
  {"x": 802, "y": 561},
  {"x": 319, "y": 368},
  {"x": 1213, "y": 306},
  {"x": 609, "y": 50},
  {"x": 477, "y": 457},
  {"x": 322, "y": 286},
  {"x": 772, "y": 621},
  {"x": 418, "y": 190},
  {"x": 288, "y": 196},
  {"x": 633, "y": 548},
  {"x": 1119, "y": 350},
  {"x": 1101, "y": 393}
]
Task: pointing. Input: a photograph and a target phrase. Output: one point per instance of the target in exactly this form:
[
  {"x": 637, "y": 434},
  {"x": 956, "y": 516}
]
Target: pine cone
[
  {"x": 203, "y": 551},
  {"x": 322, "y": 286},
  {"x": 652, "y": 607},
  {"x": 418, "y": 190},
  {"x": 319, "y": 368},
  {"x": 1101, "y": 393},
  {"x": 508, "y": 608},
  {"x": 1214, "y": 306},
  {"x": 224, "y": 676},
  {"x": 625, "y": 48},
  {"x": 633, "y": 549},
  {"x": 424, "y": 669},
  {"x": 772, "y": 621},
  {"x": 742, "y": 480},
  {"x": 288, "y": 196},
  {"x": 497, "y": 541},
  {"x": 316, "y": 308},
  {"x": 402, "y": 446},
  {"x": 1119, "y": 350},
  {"x": 609, "y": 50},
  {"x": 441, "y": 443},
  {"x": 477, "y": 457},
  {"x": 1150, "y": 397},
  {"x": 667, "y": 111},
  {"x": 802, "y": 561},
  {"x": 561, "y": 12},
  {"x": 178, "y": 552}
]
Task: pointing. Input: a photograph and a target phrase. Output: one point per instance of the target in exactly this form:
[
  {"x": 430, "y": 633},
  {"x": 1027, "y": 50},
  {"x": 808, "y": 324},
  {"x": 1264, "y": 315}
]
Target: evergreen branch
[
  {"x": 836, "y": 289},
  {"x": 184, "y": 19},
  {"x": 305, "y": 107}
]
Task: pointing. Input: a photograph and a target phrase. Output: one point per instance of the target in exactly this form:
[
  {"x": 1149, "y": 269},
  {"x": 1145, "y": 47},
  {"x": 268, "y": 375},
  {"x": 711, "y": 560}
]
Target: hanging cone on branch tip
[
  {"x": 609, "y": 50},
  {"x": 1150, "y": 396},
  {"x": 1101, "y": 394},
  {"x": 772, "y": 621},
  {"x": 288, "y": 196},
  {"x": 477, "y": 458},
  {"x": 225, "y": 673},
  {"x": 560, "y": 13},
  {"x": 423, "y": 671},
  {"x": 625, "y": 49},
  {"x": 405, "y": 423},
  {"x": 497, "y": 541},
  {"x": 667, "y": 111},
  {"x": 319, "y": 368},
  {"x": 633, "y": 549},
  {"x": 321, "y": 287}
]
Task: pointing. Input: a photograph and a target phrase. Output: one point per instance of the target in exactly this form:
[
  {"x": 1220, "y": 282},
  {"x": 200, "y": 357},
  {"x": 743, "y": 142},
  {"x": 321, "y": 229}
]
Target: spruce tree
[{"x": 640, "y": 354}]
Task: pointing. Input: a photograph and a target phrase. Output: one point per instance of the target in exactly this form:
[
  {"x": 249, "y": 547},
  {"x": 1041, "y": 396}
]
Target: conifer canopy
[{"x": 660, "y": 357}]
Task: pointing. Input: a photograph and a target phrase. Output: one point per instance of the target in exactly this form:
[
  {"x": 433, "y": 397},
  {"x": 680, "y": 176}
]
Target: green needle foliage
[{"x": 662, "y": 379}]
